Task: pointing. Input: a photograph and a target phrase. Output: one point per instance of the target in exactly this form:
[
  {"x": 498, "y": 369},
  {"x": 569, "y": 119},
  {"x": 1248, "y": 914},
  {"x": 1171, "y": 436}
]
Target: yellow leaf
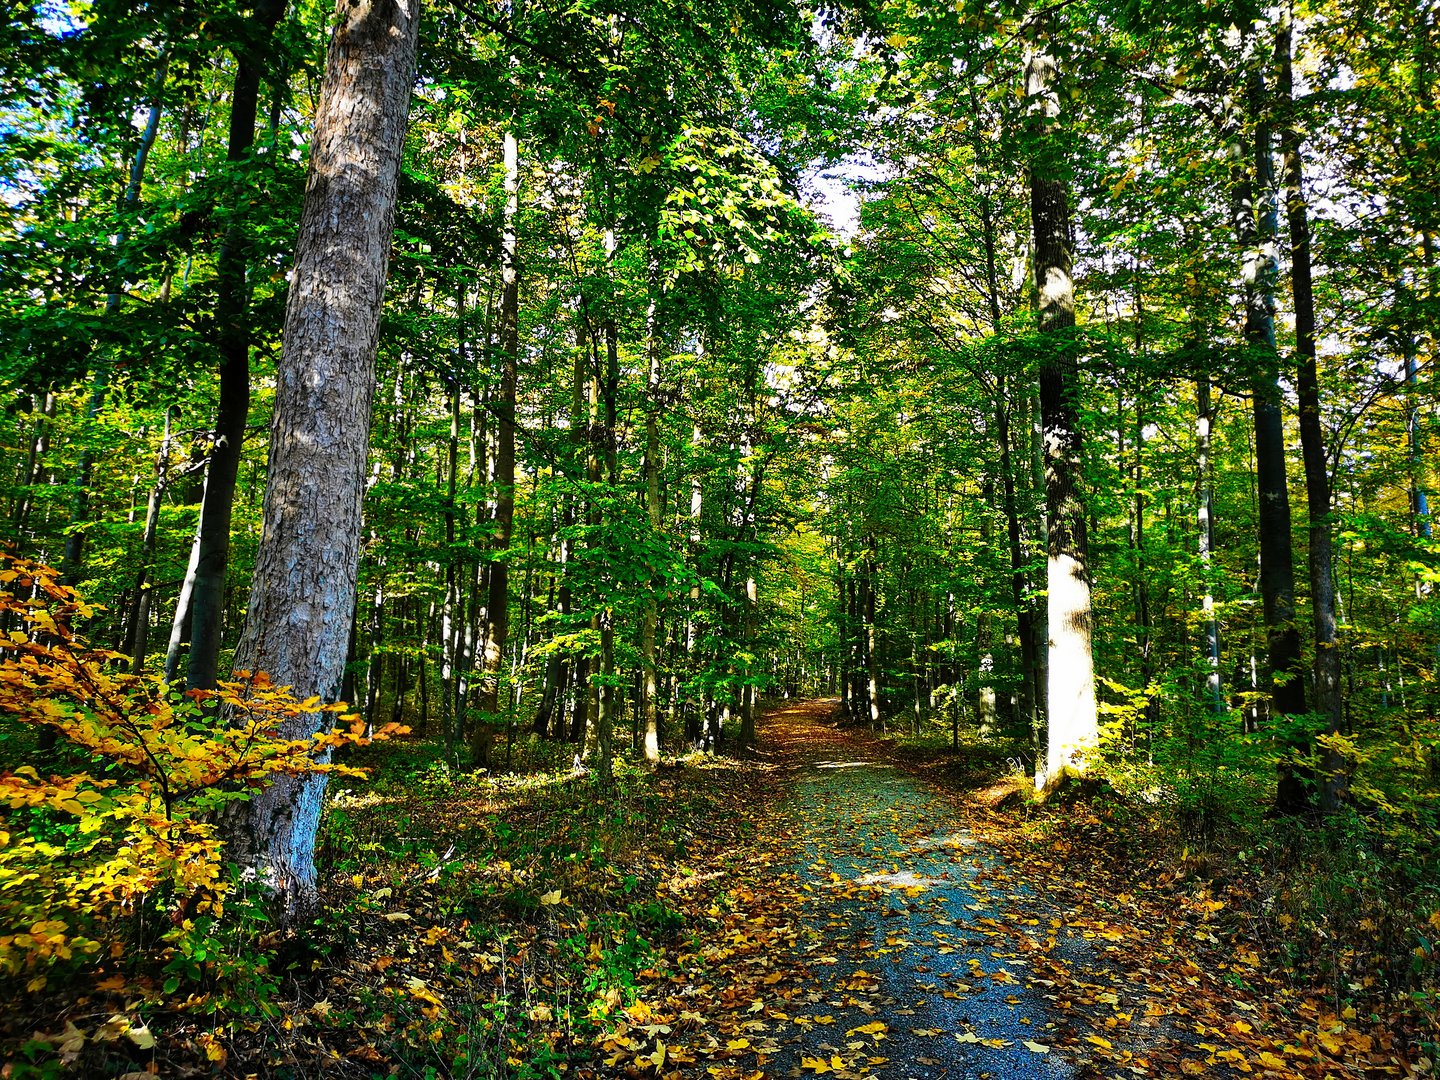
[
  {"x": 1036, "y": 1048},
  {"x": 818, "y": 1065},
  {"x": 874, "y": 1028},
  {"x": 1104, "y": 1044},
  {"x": 550, "y": 899}
]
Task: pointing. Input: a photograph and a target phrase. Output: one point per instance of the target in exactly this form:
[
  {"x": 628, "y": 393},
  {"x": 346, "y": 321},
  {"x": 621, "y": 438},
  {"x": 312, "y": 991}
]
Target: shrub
[{"x": 91, "y": 858}]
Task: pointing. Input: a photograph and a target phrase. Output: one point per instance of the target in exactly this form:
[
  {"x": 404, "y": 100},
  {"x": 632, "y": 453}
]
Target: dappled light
[{"x": 665, "y": 541}]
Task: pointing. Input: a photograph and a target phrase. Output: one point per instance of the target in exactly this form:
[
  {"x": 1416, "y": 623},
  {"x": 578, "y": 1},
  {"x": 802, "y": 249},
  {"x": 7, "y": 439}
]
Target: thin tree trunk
[
  {"x": 1024, "y": 623},
  {"x": 181, "y": 622},
  {"x": 1255, "y": 229},
  {"x": 233, "y": 409},
  {"x": 303, "y": 597},
  {"x": 747, "y": 689},
  {"x": 35, "y": 463},
  {"x": 608, "y": 697},
  {"x": 497, "y": 606},
  {"x": 1204, "y": 419},
  {"x": 867, "y": 617},
  {"x": 654, "y": 509},
  {"x": 580, "y": 430},
  {"x": 100, "y": 381},
  {"x": 452, "y": 619},
  {"x": 1333, "y": 767},
  {"x": 144, "y": 587}
]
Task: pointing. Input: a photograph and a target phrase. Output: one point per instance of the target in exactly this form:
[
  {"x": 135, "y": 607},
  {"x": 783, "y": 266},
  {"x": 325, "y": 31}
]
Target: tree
[
  {"x": 1321, "y": 550},
  {"x": 1256, "y": 228},
  {"x": 302, "y": 598},
  {"x": 232, "y": 412},
  {"x": 1072, "y": 731}
]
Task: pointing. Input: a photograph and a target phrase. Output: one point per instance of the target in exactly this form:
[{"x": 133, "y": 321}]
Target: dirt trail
[{"x": 915, "y": 948}]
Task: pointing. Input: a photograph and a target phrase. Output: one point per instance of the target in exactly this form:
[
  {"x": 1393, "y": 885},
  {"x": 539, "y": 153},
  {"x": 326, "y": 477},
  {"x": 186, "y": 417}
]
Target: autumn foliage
[{"x": 129, "y": 836}]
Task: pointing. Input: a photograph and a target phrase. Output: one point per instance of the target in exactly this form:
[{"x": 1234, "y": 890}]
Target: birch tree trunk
[
  {"x": 654, "y": 510},
  {"x": 297, "y": 627},
  {"x": 144, "y": 586},
  {"x": 1205, "y": 513},
  {"x": 1071, "y": 711}
]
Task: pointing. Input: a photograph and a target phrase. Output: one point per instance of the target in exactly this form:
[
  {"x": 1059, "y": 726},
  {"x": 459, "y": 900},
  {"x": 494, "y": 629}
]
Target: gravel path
[{"x": 914, "y": 939}]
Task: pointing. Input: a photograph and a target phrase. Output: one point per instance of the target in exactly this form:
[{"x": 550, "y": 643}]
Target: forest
[{"x": 881, "y": 538}]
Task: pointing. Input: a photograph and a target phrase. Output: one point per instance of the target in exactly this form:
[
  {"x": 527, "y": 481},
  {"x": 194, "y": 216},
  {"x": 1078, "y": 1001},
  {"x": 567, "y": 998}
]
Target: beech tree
[
  {"x": 1071, "y": 717},
  {"x": 302, "y": 599}
]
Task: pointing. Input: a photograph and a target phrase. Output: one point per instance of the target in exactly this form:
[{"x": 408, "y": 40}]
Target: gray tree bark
[{"x": 302, "y": 599}]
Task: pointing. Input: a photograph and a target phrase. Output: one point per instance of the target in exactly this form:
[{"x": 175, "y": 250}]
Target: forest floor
[
  {"x": 831, "y": 904},
  {"x": 889, "y": 921}
]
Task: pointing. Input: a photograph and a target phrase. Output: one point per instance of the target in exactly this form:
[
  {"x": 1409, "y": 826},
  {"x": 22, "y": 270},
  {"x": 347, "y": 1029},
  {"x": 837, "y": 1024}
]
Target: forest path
[
  {"x": 860, "y": 930},
  {"x": 865, "y": 920},
  {"x": 908, "y": 919}
]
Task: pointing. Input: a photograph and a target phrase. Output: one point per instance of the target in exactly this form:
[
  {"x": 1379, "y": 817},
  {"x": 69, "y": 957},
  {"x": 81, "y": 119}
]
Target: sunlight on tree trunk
[
  {"x": 297, "y": 628},
  {"x": 1072, "y": 720}
]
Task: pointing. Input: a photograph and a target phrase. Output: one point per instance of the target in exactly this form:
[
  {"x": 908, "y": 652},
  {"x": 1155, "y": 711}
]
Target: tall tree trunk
[
  {"x": 1419, "y": 496},
  {"x": 1204, "y": 420},
  {"x": 233, "y": 409},
  {"x": 1073, "y": 727},
  {"x": 497, "y": 605},
  {"x": 580, "y": 436},
  {"x": 868, "y": 606},
  {"x": 1333, "y": 766},
  {"x": 452, "y": 617},
  {"x": 1255, "y": 230},
  {"x": 303, "y": 597},
  {"x": 654, "y": 510},
  {"x": 748, "y": 618},
  {"x": 695, "y": 726},
  {"x": 608, "y": 698}
]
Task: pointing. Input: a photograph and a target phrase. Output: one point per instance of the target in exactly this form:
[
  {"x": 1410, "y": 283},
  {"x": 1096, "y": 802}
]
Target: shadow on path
[{"x": 917, "y": 968}]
